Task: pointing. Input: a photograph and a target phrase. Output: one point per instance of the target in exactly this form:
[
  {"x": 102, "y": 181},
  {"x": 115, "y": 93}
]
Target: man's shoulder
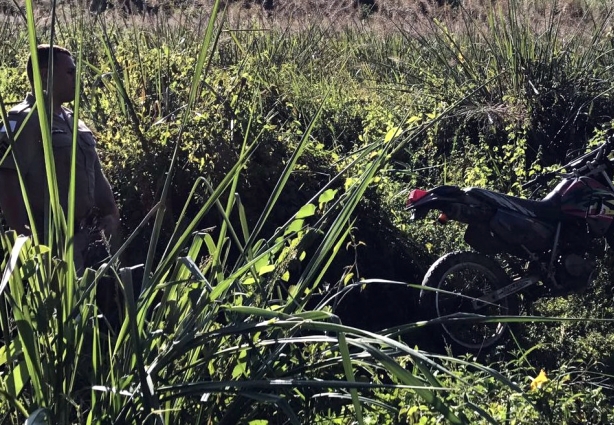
[
  {"x": 15, "y": 117},
  {"x": 19, "y": 118},
  {"x": 21, "y": 109},
  {"x": 17, "y": 114}
]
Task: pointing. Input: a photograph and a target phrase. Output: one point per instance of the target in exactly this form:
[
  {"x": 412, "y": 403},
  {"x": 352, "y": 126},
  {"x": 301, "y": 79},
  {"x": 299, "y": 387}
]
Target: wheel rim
[{"x": 470, "y": 280}]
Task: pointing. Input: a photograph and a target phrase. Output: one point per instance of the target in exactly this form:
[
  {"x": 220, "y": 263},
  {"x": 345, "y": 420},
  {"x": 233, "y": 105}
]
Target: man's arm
[
  {"x": 24, "y": 149},
  {"x": 11, "y": 201},
  {"x": 108, "y": 220}
]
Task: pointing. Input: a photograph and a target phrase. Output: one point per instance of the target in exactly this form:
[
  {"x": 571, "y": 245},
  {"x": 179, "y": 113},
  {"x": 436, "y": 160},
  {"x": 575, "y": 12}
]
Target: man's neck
[{"x": 56, "y": 108}]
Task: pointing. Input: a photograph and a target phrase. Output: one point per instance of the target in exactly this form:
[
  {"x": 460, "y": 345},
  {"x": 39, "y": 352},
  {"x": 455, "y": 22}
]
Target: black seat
[
  {"x": 447, "y": 190},
  {"x": 549, "y": 209}
]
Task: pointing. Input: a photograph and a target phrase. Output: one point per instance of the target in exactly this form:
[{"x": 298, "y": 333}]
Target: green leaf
[
  {"x": 220, "y": 288},
  {"x": 295, "y": 226},
  {"x": 293, "y": 291},
  {"x": 266, "y": 269},
  {"x": 307, "y": 211},
  {"x": 16, "y": 379},
  {"x": 327, "y": 196},
  {"x": 10, "y": 268},
  {"x": 238, "y": 370},
  {"x": 392, "y": 133}
]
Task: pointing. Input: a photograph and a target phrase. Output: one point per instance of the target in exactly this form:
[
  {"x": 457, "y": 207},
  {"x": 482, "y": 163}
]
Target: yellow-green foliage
[{"x": 488, "y": 105}]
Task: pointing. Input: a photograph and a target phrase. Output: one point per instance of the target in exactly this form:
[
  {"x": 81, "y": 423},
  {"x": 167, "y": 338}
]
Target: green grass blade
[{"x": 349, "y": 375}]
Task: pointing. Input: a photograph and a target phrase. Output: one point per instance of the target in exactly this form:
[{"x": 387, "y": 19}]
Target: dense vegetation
[{"x": 261, "y": 162}]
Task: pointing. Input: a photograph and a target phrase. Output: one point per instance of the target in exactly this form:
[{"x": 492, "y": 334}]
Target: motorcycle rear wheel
[{"x": 458, "y": 279}]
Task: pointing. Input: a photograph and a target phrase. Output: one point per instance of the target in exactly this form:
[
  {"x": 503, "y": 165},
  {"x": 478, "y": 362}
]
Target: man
[{"x": 94, "y": 202}]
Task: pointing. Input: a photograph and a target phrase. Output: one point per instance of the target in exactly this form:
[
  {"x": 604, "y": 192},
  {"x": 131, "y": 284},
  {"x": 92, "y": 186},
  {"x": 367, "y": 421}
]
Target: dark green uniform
[{"x": 27, "y": 155}]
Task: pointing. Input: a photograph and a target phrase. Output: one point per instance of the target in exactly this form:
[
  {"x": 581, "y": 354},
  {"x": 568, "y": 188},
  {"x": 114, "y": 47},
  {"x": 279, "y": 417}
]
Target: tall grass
[
  {"x": 539, "y": 71},
  {"x": 184, "y": 335},
  {"x": 216, "y": 326}
]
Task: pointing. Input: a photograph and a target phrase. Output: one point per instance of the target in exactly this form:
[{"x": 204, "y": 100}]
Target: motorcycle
[{"x": 536, "y": 248}]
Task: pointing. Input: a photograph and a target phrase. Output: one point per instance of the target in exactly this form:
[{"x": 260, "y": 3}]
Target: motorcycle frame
[{"x": 549, "y": 271}]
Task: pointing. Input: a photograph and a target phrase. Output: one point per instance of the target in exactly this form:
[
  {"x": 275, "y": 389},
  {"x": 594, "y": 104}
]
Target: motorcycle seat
[{"x": 548, "y": 209}]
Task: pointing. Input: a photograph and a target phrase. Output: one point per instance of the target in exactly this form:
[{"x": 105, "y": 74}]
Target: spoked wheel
[{"x": 459, "y": 278}]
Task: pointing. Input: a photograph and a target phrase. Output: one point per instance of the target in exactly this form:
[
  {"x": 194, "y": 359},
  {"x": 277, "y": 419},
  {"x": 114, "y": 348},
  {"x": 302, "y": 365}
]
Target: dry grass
[
  {"x": 386, "y": 17},
  {"x": 410, "y": 15}
]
